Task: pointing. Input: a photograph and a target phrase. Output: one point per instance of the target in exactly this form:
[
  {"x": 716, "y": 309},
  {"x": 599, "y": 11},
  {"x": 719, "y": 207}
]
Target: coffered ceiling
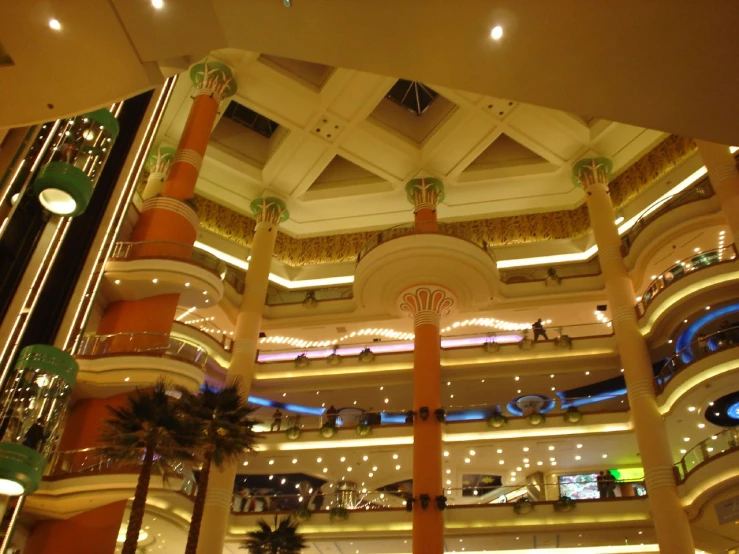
[{"x": 339, "y": 145}]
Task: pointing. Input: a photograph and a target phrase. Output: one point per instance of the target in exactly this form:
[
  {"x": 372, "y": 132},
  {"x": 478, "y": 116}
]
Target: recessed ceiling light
[
  {"x": 187, "y": 284},
  {"x": 319, "y": 460},
  {"x": 701, "y": 425},
  {"x": 342, "y": 459},
  {"x": 158, "y": 4},
  {"x": 501, "y": 462},
  {"x": 686, "y": 439},
  {"x": 578, "y": 457},
  {"x": 117, "y": 281},
  {"x": 579, "y": 446},
  {"x": 467, "y": 460},
  {"x": 497, "y": 32},
  {"x": 295, "y": 460},
  {"x": 395, "y": 456},
  {"x": 525, "y": 448},
  {"x": 365, "y": 458},
  {"x": 605, "y": 456},
  {"x": 155, "y": 281},
  {"x": 516, "y": 378},
  {"x": 54, "y": 24},
  {"x": 397, "y": 467},
  {"x": 551, "y": 448},
  {"x": 472, "y": 452},
  {"x": 691, "y": 408}
]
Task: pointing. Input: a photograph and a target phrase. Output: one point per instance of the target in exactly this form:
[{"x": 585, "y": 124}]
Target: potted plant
[
  {"x": 564, "y": 504},
  {"x": 497, "y": 420},
  {"x": 563, "y": 341},
  {"x": 339, "y": 513},
  {"x": 537, "y": 418},
  {"x": 491, "y": 346},
  {"x": 334, "y": 358},
  {"x": 328, "y": 430},
  {"x": 523, "y": 506},
  {"x": 293, "y": 433},
  {"x": 302, "y": 513},
  {"x": 364, "y": 429},
  {"x": 572, "y": 415},
  {"x": 301, "y": 360},
  {"x": 526, "y": 343},
  {"x": 366, "y": 356}
]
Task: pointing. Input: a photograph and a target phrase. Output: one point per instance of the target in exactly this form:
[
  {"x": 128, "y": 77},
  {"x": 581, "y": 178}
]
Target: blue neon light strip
[
  {"x": 688, "y": 336},
  {"x": 295, "y": 408}
]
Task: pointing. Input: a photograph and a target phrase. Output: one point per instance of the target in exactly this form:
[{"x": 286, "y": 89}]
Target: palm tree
[
  {"x": 151, "y": 430},
  {"x": 226, "y": 432},
  {"x": 283, "y": 539}
]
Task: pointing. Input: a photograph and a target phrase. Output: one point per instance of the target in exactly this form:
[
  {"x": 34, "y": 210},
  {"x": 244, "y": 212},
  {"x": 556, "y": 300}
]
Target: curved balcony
[
  {"x": 407, "y": 229},
  {"x": 700, "y": 191},
  {"x": 720, "y": 444},
  {"x": 124, "y": 360},
  {"x": 165, "y": 250},
  {"x": 138, "y": 270},
  {"x": 682, "y": 269},
  {"x": 704, "y": 346}
]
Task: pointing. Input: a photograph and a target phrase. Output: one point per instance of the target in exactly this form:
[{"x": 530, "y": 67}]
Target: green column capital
[
  {"x": 213, "y": 78},
  {"x": 592, "y": 172},
  {"x": 160, "y": 159},
  {"x": 270, "y": 209},
  {"x": 425, "y": 193}
]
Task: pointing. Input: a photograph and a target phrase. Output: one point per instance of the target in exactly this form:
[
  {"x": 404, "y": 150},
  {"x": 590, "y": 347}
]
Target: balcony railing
[
  {"x": 143, "y": 344},
  {"x": 721, "y": 443},
  {"x": 169, "y": 251},
  {"x": 278, "y": 297},
  {"x": 682, "y": 269},
  {"x": 558, "y": 336},
  {"x": 419, "y": 228},
  {"x": 703, "y": 346},
  {"x": 700, "y": 191},
  {"x": 555, "y": 409}
]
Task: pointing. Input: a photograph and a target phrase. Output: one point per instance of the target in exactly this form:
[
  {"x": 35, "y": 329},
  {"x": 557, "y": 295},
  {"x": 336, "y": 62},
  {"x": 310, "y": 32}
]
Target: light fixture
[
  {"x": 497, "y": 32},
  {"x": 619, "y": 220},
  {"x": 117, "y": 281},
  {"x": 155, "y": 281},
  {"x": 579, "y": 446},
  {"x": 691, "y": 408},
  {"x": 54, "y": 24},
  {"x": 187, "y": 284},
  {"x": 158, "y": 4}
]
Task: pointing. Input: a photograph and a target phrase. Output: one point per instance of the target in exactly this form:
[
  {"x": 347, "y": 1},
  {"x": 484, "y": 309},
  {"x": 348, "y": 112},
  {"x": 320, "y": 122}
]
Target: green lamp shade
[
  {"x": 63, "y": 189},
  {"x": 106, "y": 120},
  {"x": 21, "y": 469},
  {"x": 48, "y": 359}
]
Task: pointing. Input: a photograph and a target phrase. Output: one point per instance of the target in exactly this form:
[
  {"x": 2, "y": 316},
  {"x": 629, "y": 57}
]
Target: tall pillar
[
  {"x": 159, "y": 163},
  {"x": 425, "y": 194},
  {"x": 269, "y": 212},
  {"x": 724, "y": 175},
  {"x": 166, "y": 217},
  {"x": 670, "y": 520},
  {"x": 426, "y": 304}
]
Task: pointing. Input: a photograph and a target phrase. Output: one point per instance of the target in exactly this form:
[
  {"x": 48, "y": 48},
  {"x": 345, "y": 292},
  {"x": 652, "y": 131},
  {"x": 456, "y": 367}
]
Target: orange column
[
  {"x": 165, "y": 217},
  {"x": 425, "y": 194},
  {"x": 92, "y": 532},
  {"x": 671, "y": 523},
  {"x": 724, "y": 175},
  {"x": 426, "y": 304}
]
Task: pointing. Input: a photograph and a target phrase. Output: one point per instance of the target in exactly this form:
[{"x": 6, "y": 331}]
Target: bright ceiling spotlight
[
  {"x": 158, "y": 4},
  {"x": 54, "y": 24},
  {"x": 497, "y": 32}
]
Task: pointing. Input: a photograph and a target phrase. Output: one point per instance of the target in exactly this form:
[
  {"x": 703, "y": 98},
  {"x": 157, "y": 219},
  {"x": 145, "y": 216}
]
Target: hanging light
[{"x": 74, "y": 161}]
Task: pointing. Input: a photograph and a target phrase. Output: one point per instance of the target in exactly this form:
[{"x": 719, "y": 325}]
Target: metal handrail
[
  {"x": 699, "y": 348},
  {"x": 681, "y": 269},
  {"x": 654, "y": 211},
  {"x": 406, "y": 229},
  {"x": 720, "y": 443},
  {"x": 142, "y": 344},
  {"x": 169, "y": 250}
]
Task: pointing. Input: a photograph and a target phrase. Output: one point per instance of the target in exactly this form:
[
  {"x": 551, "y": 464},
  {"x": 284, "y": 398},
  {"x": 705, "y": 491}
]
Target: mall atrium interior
[{"x": 470, "y": 269}]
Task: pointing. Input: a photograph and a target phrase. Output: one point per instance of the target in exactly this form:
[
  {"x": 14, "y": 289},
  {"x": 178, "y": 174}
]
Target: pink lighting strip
[{"x": 395, "y": 348}]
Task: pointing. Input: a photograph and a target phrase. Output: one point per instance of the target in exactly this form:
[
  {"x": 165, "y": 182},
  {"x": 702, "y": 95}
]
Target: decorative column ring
[
  {"x": 426, "y": 304},
  {"x": 592, "y": 173},
  {"x": 213, "y": 78},
  {"x": 425, "y": 193},
  {"x": 269, "y": 210}
]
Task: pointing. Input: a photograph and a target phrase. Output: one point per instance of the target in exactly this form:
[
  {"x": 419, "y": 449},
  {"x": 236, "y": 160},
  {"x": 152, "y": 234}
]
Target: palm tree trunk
[
  {"x": 139, "y": 504},
  {"x": 197, "y": 510}
]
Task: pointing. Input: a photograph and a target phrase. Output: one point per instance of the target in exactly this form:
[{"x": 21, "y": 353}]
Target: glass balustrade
[
  {"x": 703, "y": 346},
  {"x": 682, "y": 269},
  {"x": 718, "y": 444},
  {"x": 169, "y": 250},
  {"x": 142, "y": 344}
]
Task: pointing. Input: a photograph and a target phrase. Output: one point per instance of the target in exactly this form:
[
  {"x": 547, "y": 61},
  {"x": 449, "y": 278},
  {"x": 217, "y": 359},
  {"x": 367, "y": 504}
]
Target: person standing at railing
[
  {"x": 702, "y": 344},
  {"x": 539, "y": 331},
  {"x": 276, "y": 420}
]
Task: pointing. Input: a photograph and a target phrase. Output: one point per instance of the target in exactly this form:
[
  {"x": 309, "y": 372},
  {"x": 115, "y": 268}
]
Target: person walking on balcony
[
  {"x": 539, "y": 330},
  {"x": 600, "y": 483},
  {"x": 332, "y": 415},
  {"x": 609, "y": 484},
  {"x": 276, "y": 420}
]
